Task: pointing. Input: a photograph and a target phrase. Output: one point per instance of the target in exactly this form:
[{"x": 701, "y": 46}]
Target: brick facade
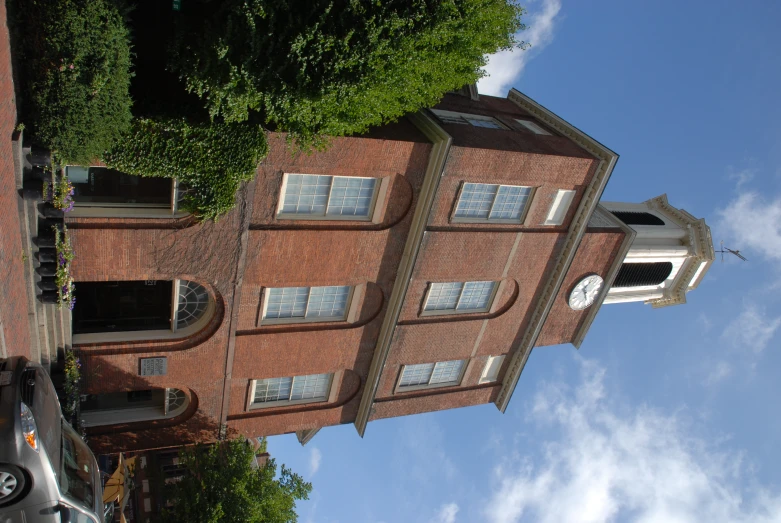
[{"x": 251, "y": 250}]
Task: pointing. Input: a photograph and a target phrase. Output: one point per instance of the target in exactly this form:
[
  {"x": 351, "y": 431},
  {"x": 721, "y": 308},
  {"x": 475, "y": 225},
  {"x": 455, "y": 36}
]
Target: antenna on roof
[{"x": 727, "y": 249}]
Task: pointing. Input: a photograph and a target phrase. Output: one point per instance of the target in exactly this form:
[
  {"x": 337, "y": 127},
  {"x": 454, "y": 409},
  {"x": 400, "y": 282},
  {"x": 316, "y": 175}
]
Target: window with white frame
[
  {"x": 312, "y": 196},
  {"x": 459, "y": 297},
  {"x": 533, "y": 127},
  {"x": 292, "y": 389},
  {"x": 491, "y": 369},
  {"x": 476, "y": 120},
  {"x": 559, "y": 207},
  {"x": 437, "y": 374},
  {"x": 303, "y": 304},
  {"x": 493, "y": 203}
]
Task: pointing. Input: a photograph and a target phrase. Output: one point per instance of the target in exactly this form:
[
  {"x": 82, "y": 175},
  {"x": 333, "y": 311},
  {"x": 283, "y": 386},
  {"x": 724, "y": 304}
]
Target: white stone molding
[
  {"x": 593, "y": 192},
  {"x": 436, "y": 165}
]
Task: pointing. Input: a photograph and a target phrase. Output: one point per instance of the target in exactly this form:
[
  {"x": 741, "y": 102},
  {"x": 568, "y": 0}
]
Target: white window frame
[
  {"x": 319, "y": 319},
  {"x": 491, "y": 369},
  {"x": 533, "y": 127},
  {"x": 487, "y": 219},
  {"x": 370, "y": 216},
  {"x": 399, "y": 388},
  {"x": 560, "y": 207},
  {"x": 251, "y": 405},
  {"x": 442, "y": 312},
  {"x": 451, "y": 117}
]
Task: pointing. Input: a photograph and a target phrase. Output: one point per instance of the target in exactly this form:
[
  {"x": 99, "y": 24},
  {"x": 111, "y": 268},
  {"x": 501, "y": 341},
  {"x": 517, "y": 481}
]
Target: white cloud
[
  {"x": 752, "y": 329},
  {"x": 504, "y": 67},
  {"x": 753, "y": 222},
  {"x": 718, "y": 372},
  {"x": 609, "y": 464},
  {"x": 314, "y": 461},
  {"x": 447, "y": 513}
]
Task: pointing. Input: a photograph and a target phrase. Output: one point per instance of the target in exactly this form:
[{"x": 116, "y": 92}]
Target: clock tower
[{"x": 669, "y": 255}]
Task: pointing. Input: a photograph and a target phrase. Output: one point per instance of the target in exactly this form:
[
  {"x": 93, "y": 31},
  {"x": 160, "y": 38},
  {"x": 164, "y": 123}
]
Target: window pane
[
  {"x": 446, "y": 372},
  {"x": 476, "y": 200},
  {"x": 311, "y": 387},
  {"x": 510, "y": 202},
  {"x": 443, "y": 296},
  {"x": 476, "y": 295},
  {"x": 193, "y": 300},
  {"x": 351, "y": 196},
  {"x": 287, "y": 302},
  {"x": 328, "y": 302},
  {"x": 480, "y": 122},
  {"x": 306, "y": 194},
  {"x": 272, "y": 389},
  {"x": 416, "y": 374}
]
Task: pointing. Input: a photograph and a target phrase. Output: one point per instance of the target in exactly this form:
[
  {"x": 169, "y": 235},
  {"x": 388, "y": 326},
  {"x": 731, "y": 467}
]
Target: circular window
[
  {"x": 175, "y": 400},
  {"x": 193, "y": 301}
]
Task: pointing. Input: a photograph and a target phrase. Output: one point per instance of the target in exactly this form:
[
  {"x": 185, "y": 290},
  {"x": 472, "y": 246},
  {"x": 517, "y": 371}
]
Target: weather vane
[{"x": 727, "y": 249}]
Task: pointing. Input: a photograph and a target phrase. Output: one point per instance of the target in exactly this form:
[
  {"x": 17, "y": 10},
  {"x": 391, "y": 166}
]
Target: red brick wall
[{"x": 13, "y": 305}]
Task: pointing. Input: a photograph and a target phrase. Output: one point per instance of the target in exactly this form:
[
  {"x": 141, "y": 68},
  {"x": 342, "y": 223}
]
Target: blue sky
[{"x": 662, "y": 415}]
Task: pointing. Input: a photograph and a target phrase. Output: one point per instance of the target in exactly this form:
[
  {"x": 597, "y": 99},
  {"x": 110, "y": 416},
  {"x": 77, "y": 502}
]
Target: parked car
[{"x": 47, "y": 472}]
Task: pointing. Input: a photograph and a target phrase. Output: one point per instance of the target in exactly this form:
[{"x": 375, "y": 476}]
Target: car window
[
  {"x": 77, "y": 516},
  {"x": 77, "y": 469}
]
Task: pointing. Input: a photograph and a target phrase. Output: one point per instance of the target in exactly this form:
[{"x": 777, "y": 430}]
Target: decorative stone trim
[
  {"x": 700, "y": 241},
  {"x": 436, "y": 164},
  {"x": 607, "y": 160}
]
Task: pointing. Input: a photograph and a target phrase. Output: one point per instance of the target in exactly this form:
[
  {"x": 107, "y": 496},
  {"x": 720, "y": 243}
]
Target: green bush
[
  {"x": 76, "y": 62},
  {"x": 210, "y": 159},
  {"x": 335, "y": 67}
]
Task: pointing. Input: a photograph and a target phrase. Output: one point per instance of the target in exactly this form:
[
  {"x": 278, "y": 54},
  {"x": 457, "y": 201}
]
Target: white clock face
[{"x": 585, "y": 292}]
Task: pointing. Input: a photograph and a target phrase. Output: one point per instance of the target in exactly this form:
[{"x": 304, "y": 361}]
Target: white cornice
[
  {"x": 701, "y": 243},
  {"x": 610, "y": 277},
  {"x": 593, "y": 192},
  {"x": 436, "y": 164}
]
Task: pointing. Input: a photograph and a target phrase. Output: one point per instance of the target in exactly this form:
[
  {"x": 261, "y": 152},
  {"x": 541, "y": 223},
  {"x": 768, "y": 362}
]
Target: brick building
[{"x": 407, "y": 270}]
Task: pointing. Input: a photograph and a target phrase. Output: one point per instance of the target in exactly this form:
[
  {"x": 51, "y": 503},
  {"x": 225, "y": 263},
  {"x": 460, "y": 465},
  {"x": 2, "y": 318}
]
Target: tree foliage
[
  {"x": 211, "y": 160},
  {"x": 222, "y": 486},
  {"x": 77, "y": 67},
  {"x": 335, "y": 67}
]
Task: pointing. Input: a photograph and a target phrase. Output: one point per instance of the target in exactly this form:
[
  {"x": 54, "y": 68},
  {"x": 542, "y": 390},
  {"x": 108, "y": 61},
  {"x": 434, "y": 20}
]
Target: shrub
[
  {"x": 335, "y": 67},
  {"x": 76, "y": 62},
  {"x": 210, "y": 159}
]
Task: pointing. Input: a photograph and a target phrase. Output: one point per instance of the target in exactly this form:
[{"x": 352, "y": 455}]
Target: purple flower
[{"x": 61, "y": 259}]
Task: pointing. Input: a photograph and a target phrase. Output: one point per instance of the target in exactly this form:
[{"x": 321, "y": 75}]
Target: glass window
[
  {"x": 330, "y": 197},
  {"x": 307, "y": 303},
  {"x": 309, "y": 388},
  {"x": 476, "y": 120},
  {"x": 481, "y": 201},
  {"x": 471, "y": 296},
  {"x": 533, "y": 127},
  {"x": 193, "y": 301},
  {"x": 423, "y": 374},
  {"x": 77, "y": 474}
]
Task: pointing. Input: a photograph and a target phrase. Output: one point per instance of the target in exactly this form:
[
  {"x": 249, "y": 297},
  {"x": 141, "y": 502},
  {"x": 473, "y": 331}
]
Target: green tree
[
  {"x": 335, "y": 67},
  {"x": 211, "y": 160},
  {"x": 222, "y": 486}
]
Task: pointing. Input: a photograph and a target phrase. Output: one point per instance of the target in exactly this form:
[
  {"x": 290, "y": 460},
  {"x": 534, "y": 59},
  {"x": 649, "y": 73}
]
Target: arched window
[
  {"x": 642, "y": 274},
  {"x": 638, "y": 218},
  {"x": 139, "y": 310},
  {"x": 129, "y": 407}
]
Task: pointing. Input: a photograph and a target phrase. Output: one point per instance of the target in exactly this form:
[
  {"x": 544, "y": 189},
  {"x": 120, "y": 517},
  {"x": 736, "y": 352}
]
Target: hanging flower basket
[
  {"x": 62, "y": 276},
  {"x": 59, "y": 192}
]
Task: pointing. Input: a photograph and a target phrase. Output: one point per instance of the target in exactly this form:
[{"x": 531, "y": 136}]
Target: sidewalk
[{"x": 14, "y": 326}]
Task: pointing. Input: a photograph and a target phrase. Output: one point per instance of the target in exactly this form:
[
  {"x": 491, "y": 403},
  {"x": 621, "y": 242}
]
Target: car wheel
[{"x": 11, "y": 483}]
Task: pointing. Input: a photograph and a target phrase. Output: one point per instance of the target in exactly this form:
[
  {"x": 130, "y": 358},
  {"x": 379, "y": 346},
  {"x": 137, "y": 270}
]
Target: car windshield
[{"x": 77, "y": 469}]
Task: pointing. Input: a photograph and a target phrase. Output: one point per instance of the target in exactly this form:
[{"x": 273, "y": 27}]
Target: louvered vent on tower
[
  {"x": 637, "y": 218},
  {"x": 641, "y": 274}
]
